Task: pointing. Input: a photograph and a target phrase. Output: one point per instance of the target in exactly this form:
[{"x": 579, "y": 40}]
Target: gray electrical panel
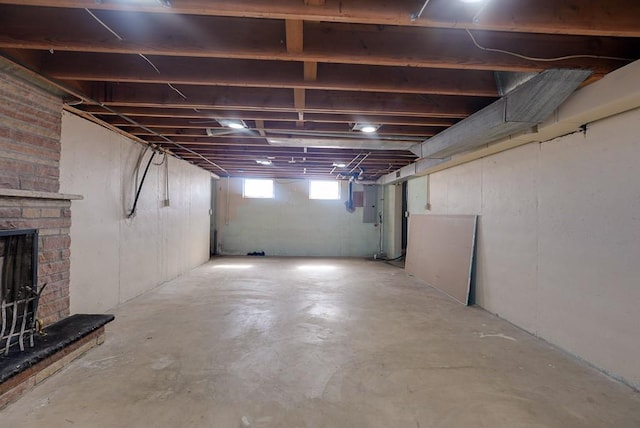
[{"x": 370, "y": 209}]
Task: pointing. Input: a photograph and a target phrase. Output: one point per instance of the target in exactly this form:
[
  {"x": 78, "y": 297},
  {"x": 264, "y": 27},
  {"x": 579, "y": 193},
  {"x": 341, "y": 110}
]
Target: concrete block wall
[{"x": 30, "y": 124}]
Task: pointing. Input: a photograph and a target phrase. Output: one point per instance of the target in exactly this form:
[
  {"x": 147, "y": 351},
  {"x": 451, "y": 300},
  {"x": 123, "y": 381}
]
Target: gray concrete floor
[{"x": 268, "y": 342}]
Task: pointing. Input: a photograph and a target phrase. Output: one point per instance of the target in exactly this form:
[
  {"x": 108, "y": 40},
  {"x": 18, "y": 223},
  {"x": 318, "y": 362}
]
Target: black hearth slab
[{"x": 59, "y": 335}]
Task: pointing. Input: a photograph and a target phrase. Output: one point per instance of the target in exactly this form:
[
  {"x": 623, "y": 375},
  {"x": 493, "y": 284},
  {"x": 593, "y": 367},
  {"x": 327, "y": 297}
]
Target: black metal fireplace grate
[{"x": 18, "y": 288}]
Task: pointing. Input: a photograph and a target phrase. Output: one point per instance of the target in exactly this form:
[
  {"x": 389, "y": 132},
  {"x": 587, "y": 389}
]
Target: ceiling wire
[
  {"x": 103, "y": 24},
  {"x": 168, "y": 140},
  {"x": 150, "y": 63},
  {"x": 177, "y": 90},
  {"x": 416, "y": 16},
  {"x": 135, "y": 123},
  {"x": 112, "y": 31},
  {"x": 539, "y": 59}
]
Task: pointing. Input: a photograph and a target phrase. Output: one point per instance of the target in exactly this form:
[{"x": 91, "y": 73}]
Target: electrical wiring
[
  {"x": 177, "y": 91},
  {"x": 539, "y": 59},
  {"x": 103, "y": 24},
  {"x": 144, "y": 175},
  {"x": 112, "y": 31},
  {"x": 164, "y": 159},
  {"x": 150, "y": 63},
  {"x": 133, "y": 122}
]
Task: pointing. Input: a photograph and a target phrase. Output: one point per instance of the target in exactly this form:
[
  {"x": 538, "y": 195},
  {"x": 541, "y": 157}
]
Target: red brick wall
[{"x": 30, "y": 123}]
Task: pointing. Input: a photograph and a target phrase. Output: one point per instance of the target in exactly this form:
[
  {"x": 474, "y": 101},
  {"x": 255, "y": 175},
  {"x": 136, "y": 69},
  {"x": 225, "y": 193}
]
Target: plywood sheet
[{"x": 440, "y": 252}]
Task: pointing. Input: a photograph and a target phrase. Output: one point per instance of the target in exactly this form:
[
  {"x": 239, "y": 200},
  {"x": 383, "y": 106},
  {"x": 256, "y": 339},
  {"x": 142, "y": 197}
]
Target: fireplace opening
[{"x": 18, "y": 288}]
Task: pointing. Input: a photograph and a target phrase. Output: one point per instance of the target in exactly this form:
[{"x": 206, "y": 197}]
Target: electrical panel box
[{"x": 370, "y": 208}]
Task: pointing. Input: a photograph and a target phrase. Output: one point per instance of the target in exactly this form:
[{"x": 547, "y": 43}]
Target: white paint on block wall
[
  {"x": 393, "y": 220},
  {"x": 291, "y": 224},
  {"x": 418, "y": 195},
  {"x": 115, "y": 258},
  {"x": 558, "y": 246}
]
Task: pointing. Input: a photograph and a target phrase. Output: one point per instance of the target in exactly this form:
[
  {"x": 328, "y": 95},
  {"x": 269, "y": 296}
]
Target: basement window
[
  {"x": 328, "y": 190},
  {"x": 257, "y": 188}
]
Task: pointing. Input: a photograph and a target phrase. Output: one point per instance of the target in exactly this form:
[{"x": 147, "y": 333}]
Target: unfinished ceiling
[{"x": 301, "y": 78}]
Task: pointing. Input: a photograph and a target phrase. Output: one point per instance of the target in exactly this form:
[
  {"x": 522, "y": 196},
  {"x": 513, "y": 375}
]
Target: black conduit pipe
[{"x": 135, "y": 202}]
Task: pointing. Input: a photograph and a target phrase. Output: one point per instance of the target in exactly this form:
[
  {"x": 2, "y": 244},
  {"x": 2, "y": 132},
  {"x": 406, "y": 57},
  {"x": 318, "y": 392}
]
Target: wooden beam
[
  {"x": 310, "y": 71},
  {"x": 388, "y": 156},
  {"x": 177, "y": 126},
  {"x": 260, "y": 127},
  {"x": 257, "y": 99},
  {"x": 203, "y": 115},
  {"x": 76, "y": 66},
  {"x": 299, "y": 99},
  {"x": 295, "y": 39},
  {"x": 324, "y": 42},
  {"x": 529, "y": 16}
]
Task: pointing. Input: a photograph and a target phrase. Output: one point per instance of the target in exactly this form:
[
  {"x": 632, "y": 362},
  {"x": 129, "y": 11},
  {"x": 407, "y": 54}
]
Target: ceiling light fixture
[
  {"x": 339, "y": 164},
  {"x": 265, "y": 162},
  {"x": 367, "y": 128},
  {"x": 232, "y": 123}
]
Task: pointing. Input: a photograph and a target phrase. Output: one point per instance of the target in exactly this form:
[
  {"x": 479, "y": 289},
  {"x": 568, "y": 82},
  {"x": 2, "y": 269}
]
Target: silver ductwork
[{"x": 528, "y": 100}]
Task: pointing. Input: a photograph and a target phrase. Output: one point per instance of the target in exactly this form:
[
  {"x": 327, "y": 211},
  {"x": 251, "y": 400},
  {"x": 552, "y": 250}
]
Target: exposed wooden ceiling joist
[
  {"x": 535, "y": 16},
  {"x": 205, "y": 116},
  {"x": 303, "y": 68},
  {"x": 215, "y": 37},
  {"x": 70, "y": 66},
  {"x": 145, "y": 95}
]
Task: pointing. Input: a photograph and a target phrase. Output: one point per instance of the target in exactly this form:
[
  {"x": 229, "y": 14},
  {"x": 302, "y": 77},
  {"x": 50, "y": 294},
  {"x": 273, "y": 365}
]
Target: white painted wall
[
  {"x": 393, "y": 221},
  {"x": 291, "y": 224},
  {"x": 418, "y": 195},
  {"x": 559, "y": 238},
  {"x": 114, "y": 258}
]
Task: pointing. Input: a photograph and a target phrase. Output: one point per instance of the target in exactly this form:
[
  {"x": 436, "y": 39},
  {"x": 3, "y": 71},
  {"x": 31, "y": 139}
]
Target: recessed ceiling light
[
  {"x": 265, "y": 162},
  {"x": 366, "y": 127},
  {"x": 339, "y": 164},
  {"x": 232, "y": 123}
]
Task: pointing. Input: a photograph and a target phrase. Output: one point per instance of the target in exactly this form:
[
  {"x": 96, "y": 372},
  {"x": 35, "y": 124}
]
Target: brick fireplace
[{"x": 30, "y": 125}]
